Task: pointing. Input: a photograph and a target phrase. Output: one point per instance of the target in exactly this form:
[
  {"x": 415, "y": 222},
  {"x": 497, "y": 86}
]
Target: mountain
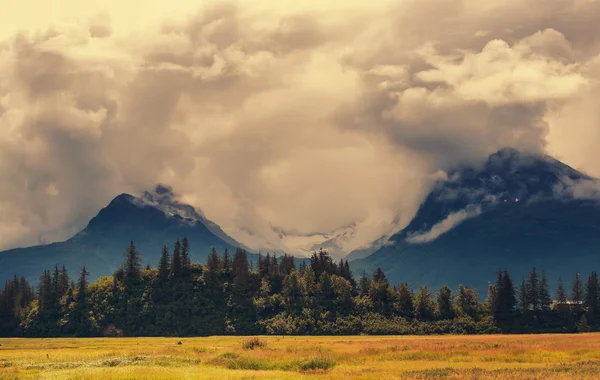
[
  {"x": 515, "y": 211},
  {"x": 151, "y": 221}
]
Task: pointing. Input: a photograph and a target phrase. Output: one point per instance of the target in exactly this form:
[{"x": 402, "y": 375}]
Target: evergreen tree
[
  {"x": 577, "y": 292},
  {"x": 163, "y": 265},
  {"x": 405, "y": 300},
  {"x": 532, "y": 292},
  {"x": 379, "y": 275},
  {"x": 506, "y": 298},
  {"x": 363, "y": 285},
  {"x": 491, "y": 300},
  {"x": 423, "y": 305},
  {"x": 176, "y": 262},
  {"x": 544, "y": 293},
  {"x": 185, "y": 253},
  {"x": 242, "y": 310},
  {"x": 226, "y": 262},
  {"x": 444, "y": 303},
  {"x": 63, "y": 281},
  {"x": 213, "y": 262},
  {"x": 561, "y": 294},
  {"x": 467, "y": 302},
  {"x": 132, "y": 267},
  {"x": 524, "y": 300},
  {"x": 591, "y": 298}
]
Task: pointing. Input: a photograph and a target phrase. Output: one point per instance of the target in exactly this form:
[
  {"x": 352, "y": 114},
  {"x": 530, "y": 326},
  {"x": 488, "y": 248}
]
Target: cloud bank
[{"x": 296, "y": 117}]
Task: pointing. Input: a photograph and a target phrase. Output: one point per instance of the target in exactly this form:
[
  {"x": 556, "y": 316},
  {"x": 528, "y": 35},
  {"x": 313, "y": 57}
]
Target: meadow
[{"x": 365, "y": 357}]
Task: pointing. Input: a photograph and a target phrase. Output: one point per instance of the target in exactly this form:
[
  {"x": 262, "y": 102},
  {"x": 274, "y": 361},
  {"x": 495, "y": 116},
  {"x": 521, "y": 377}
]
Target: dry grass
[{"x": 446, "y": 357}]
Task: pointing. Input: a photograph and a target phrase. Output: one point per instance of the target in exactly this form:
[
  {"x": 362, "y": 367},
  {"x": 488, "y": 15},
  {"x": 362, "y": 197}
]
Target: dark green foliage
[
  {"x": 577, "y": 292},
  {"x": 132, "y": 266},
  {"x": 445, "y": 305},
  {"x": 226, "y": 296},
  {"x": 164, "y": 265},
  {"x": 176, "y": 261}
]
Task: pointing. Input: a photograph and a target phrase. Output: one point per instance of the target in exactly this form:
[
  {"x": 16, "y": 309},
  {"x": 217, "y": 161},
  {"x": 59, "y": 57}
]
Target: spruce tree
[
  {"x": 467, "y": 302},
  {"x": 561, "y": 294},
  {"x": 185, "y": 253},
  {"x": 364, "y": 284},
  {"x": 491, "y": 300},
  {"x": 176, "y": 263},
  {"x": 532, "y": 291},
  {"x": 242, "y": 314},
  {"x": 577, "y": 292},
  {"x": 524, "y": 300},
  {"x": 405, "y": 300},
  {"x": 132, "y": 267},
  {"x": 444, "y": 303},
  {"x": 226, "y": 262},
  {"x": 163, "y": 264},
  {"x": 506, "y": 298},
  {"x": 590, "y": 301},
  {"x": 544, "y": 293},
  {"x": 63, "y": 282},
  {"x": 423, "y": 307}
]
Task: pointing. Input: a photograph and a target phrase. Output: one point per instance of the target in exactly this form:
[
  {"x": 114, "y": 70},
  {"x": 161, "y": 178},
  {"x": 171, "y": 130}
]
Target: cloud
[
  {"x": 298, "y": 117},
  {"x": 453, "y": 220}
]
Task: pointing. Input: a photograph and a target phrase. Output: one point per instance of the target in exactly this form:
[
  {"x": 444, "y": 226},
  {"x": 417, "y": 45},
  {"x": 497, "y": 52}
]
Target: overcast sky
[{"x": 304, "y": 116}]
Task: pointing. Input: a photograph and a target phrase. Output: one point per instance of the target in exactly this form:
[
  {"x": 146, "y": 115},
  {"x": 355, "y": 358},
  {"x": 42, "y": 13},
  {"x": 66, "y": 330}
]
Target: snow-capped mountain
[
  {"x": 514, "y": 211},
  {"x": 151, "y": 221}
]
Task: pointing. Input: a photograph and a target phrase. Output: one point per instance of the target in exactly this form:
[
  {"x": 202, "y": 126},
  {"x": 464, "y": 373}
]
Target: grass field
[{"x": 453, "y": 357}]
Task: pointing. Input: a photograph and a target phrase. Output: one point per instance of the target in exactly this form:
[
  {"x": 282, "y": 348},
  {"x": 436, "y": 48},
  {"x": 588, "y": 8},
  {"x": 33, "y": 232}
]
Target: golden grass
[{"x": 363, "y": 357}]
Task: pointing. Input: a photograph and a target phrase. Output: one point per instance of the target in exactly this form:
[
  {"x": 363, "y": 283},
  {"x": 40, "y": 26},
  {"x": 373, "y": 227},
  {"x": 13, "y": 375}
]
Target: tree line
[{"x": 230, "y": 295}]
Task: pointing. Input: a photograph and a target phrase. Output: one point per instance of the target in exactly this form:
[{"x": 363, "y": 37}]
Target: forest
[{"x": 228, "y": 295}]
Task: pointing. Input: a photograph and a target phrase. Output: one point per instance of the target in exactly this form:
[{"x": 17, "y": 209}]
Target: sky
[{"x": 295, "y": 117}]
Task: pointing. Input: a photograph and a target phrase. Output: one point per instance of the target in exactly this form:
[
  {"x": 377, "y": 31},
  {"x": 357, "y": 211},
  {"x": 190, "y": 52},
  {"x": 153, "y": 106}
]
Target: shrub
[
  {"x": 316, "y": 363},
  {"x": 252, "y": 343}
]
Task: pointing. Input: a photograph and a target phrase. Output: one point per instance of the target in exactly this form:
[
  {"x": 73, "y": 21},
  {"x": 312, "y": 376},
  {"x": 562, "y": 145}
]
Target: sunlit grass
[{"x": 365, "y": 357}]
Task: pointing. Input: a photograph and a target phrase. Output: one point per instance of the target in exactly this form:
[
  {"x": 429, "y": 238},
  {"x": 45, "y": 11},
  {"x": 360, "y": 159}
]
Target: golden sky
[{"x": 302, "y": 116}]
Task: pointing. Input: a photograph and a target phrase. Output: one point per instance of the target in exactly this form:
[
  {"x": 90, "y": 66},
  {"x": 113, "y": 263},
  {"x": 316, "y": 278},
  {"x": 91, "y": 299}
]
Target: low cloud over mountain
[{"x": 292, "y": 117}]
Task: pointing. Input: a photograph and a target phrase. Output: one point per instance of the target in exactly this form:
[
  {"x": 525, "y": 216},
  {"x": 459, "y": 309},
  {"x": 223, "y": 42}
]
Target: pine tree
[
  {"x": 45, "y": 291},
  {"x": 185, "y": 253},
  {"x": 363, "y": 285},
  {"x": 213, "y": 262},
  {"x": 590, "y": 301},
  {"x": 379, "y": 275},
  {"x": 491, "y": 300},
  {"x": 242, "y": 312},
  {"x": 506, "y": 298},
  {"x": 544, "y": 293},
  {"x": 82, "y": 284},
  {"x": 577, "y": 292},
  {"x": 561, "y": 294},
  {"x": 423, "y": 305},
  {"x": 532, "y": 291},
  {"x": 176, "y": 263},
  {"x": 467, "y": 302},
  {"x": 63, "y": 282},
  {"x": 132, "y": 267},
  {"x": 524, "y": 300},
  {"x": 405, "y": 300},
  {"x": 226, "y": 262},
  {"x": 444, "y": 303},
  {"x": 79, "y": 318},
  {"x": 163, "y": 264}
]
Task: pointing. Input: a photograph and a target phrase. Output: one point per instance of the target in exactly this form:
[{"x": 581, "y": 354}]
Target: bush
[
  {"x": 316, "y": 363},
  {"x": 252, "y": 343}
]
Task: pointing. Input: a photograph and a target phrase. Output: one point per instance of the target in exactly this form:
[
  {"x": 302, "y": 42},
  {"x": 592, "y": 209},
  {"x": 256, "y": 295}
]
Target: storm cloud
[{"x": 297, "y": 117}]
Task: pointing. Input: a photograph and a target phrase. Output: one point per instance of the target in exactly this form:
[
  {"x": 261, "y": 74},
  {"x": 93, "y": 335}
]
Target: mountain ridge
[{"x": 467, "y": 216}]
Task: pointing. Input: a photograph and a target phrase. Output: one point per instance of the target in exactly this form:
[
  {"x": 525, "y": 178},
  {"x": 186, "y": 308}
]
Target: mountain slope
[
  {"x": 150, "y": 221},
  {"x": 516, "y": 211}
]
